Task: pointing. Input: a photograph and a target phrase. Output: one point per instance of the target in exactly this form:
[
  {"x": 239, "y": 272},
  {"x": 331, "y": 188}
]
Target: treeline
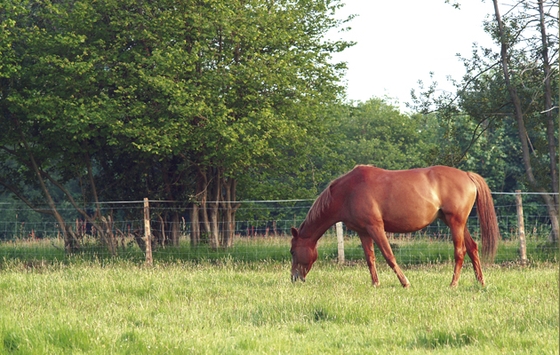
[{"x": 212, "y": 102}]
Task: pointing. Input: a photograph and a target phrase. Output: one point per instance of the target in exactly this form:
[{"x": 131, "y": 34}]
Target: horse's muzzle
[{"x": 296, "y": 275}]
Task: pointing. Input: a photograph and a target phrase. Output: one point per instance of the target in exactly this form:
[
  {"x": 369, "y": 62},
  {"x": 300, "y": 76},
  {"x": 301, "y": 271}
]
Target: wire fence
[{"x": 261, "y": 232}]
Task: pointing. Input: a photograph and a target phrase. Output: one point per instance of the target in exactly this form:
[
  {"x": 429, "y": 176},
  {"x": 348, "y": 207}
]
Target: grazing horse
[{"x": 372, "y": 201}]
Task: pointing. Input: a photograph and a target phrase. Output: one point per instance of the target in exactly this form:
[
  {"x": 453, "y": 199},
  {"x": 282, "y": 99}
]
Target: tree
[
  {"x": 45, "y": 94},
  {"x": 509, "y": 89},
  {"x": 274, "y": 78},
  {"x": 377, "y": 133},
  {"x": 512, "y": 87},
  {"x": 174, "y": 100},
  {"x": 373, "y": 132}
]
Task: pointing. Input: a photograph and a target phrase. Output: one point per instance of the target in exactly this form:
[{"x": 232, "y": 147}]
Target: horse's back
[
  {"x": 407, "y": 200},
  {"x": 438, "y": 177}
]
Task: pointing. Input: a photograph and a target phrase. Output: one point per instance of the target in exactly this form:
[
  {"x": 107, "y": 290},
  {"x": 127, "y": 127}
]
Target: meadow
[{"x": 235, "y": 305}]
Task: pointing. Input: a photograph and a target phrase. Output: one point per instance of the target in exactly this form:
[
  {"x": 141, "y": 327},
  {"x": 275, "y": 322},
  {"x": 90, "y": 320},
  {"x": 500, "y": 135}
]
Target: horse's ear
[{"x": 294, "y": 232}]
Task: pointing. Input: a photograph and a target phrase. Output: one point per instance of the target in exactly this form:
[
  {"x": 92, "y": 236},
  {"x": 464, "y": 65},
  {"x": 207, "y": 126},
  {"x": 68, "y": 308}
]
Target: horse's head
[{"x": 304, "y": 254}]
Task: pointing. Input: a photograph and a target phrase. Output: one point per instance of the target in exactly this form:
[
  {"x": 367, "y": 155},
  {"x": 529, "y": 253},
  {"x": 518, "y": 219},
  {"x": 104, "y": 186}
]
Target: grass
[
  {"x": 238, "y": 307},
  {"x": 408, "y": 251},
  {"x": 240, "y": 301}
]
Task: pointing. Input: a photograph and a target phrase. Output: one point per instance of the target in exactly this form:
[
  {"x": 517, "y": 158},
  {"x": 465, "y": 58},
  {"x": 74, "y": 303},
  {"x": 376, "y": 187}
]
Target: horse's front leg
[
  {"x": 378, "y": 235},
  {"x": 367, "y": 245}
]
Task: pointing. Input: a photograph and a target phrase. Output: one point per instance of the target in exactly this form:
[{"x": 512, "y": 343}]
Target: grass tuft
[
  {"x": 11, "y": 341},
  {"x": 448, "y": 339}
]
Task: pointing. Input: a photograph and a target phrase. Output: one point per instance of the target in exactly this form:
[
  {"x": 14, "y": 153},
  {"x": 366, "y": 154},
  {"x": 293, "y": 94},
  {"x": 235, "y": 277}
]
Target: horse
[{"x": 372, "y": 201}]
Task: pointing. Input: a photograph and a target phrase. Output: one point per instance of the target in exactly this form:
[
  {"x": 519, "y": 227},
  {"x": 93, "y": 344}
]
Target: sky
[{"x": 401, "y": 42}]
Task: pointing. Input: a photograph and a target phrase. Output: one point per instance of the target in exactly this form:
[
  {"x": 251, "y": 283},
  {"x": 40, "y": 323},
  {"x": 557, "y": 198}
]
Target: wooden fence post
[
  {"x": 340, "y": 240},
  {"x": 521, "y": 228},
  {"x": 147, "y": 232}
]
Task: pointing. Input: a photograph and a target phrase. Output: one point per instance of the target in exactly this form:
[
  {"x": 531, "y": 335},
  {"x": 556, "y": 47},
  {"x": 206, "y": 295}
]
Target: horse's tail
[{"x": 487, "y": 218}]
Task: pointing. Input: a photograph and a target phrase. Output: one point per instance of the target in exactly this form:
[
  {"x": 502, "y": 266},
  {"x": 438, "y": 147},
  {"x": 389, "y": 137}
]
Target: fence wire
[{"x": 261, "y": 232}]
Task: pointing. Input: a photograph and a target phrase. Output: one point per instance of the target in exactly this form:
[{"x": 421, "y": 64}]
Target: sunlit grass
[
  {"x": 235, "y": 307},
  {"x": 240, "y": 300}
]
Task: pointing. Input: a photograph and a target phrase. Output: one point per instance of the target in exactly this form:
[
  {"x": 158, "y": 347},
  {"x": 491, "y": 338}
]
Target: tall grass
[
  {"x": 235, "y": 307},
  {"x": 408, "y": 251}
]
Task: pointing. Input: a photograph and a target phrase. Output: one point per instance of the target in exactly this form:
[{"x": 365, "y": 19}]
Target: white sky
[{"x": 400, "y": 42}]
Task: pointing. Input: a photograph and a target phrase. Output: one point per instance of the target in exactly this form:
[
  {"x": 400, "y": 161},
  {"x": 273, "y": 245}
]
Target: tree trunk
[
  {"x": 70, "y": 239},
  {"x": 162, "y": 238},
  {"x": 108, "y": 236},
  {"x": 217, "y": 214},
  {"x": 195, "y": 225},
  {"x": 229, "y": 209},
  {"x": 202, "y": 182},
  {"x": 174, "y": 228},
  {"x": 213, "y": 209},
  {"x": 93, "y": 188},
  {"x": 548, "y": 108},
  {"x": 523, "y": 136}
]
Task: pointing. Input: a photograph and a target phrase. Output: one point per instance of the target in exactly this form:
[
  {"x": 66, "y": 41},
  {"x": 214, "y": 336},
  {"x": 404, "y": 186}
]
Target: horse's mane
[{"x": 320, "y": 204}]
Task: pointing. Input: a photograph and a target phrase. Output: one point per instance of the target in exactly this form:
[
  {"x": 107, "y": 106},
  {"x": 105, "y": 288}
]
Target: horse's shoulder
[{"x": 363, "y": 173}]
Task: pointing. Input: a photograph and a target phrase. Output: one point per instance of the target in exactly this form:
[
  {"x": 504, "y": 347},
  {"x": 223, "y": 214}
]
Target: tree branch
[{"x": 24, "y": 199}]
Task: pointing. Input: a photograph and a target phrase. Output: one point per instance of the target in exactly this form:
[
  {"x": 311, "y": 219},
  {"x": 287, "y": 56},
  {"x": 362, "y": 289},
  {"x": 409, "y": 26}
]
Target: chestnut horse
[{"x": 372, "y": 201}]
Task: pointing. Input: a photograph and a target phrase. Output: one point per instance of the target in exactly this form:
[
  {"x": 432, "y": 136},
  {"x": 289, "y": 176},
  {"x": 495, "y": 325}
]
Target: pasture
[{"x": 226, "y": 305}]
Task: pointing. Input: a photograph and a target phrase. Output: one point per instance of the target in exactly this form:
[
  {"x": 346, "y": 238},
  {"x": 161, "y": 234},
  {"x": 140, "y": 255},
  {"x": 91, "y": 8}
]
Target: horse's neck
[
  {"x": 315, "y": 230},
  {"x": 322, "y": 215}
]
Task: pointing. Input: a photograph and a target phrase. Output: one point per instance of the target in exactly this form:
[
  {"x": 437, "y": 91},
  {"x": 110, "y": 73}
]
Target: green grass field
[
  {"x": 210, "y": 302},
  {"x": 235, "y": 307}
]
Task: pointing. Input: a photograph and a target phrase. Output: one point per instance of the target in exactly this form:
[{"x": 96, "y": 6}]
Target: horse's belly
[
  {"x": 409, "y": 222},
  {"x": 403, "y": 227}
]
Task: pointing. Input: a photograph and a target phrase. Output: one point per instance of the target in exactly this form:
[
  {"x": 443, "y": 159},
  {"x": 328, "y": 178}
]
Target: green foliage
[
  {"x": 126, "y": 99},
  {"x": 377, "y": 133},
  {"x": 374, "y": 132}
]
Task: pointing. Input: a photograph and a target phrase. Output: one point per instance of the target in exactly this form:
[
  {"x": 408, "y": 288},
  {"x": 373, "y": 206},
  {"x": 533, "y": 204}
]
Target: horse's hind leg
[
  {"x": 367, "y": 245},
  {"x": 457, "y": 232},
  {"x": 382, "y": 242},
  {"x": 472, "y": 250}
]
